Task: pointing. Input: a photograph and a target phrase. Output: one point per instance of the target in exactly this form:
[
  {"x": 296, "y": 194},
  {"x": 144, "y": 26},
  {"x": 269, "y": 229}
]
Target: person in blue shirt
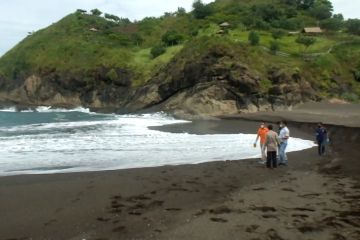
[{"x": 321, "y": 138}]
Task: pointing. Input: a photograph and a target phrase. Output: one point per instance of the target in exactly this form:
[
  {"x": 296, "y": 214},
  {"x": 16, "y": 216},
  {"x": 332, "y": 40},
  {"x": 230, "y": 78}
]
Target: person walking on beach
[
  {"x": 321, "y": 138},
  {"x": 271, "y": 144},
  {"x": 261, "y": 133},
  {"x": 284, "y": 137},
  {"x": 278, "y": 132}
]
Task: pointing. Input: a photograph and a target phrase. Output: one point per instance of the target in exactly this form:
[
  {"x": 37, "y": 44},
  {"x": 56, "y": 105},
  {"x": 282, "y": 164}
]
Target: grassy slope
[{"x": 69, "y": 45}]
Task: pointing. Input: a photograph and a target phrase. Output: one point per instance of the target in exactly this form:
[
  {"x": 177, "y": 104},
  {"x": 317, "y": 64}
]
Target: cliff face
[
  {"x": 218, "y": 82},
  {"x": 210, "y": 83},
  {"x": 64, "y": 89}
]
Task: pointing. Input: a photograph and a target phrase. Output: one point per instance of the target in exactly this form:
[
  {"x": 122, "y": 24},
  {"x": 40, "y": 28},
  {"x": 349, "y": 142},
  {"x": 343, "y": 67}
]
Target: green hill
[{"x": 86, "y": 53}]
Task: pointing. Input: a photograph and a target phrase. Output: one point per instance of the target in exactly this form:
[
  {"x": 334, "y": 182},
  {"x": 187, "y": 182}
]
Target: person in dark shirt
[{"x": 321, "y": 138}]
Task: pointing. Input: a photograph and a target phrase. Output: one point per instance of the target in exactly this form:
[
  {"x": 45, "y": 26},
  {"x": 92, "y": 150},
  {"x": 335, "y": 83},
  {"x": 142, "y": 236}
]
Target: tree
[
  {"x": 124, "y": 21},
  {"x": 274, "y": 47},
  {"x": 171, "y": 38},
  {"x": 254, "y": 38},
  {"x": 305, "y": 4},
  {"x": 96, "y": 12},
  {"x": 157, "y": 51},
  {"x": 353, "y": 26},
  {"x": 322, "y": 9},
  {"x": 81, "y": 11},
  {"x": 338, "y": 16},
  {"x": 267, "y": 12},
  {"x": 112, "y": 17},
  {"x": 180, "y": 12},
  {"x": 137, "y": 39},
  {"x": 306, "y": 41},
  {"x": 277, "y": 34},
  {"x": 332, "y": 24},
  {"x": 201, "y": 10}
]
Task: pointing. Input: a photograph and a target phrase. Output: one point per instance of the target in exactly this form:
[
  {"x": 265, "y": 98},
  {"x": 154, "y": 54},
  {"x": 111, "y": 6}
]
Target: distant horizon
[{"x": 43, "y": 14}]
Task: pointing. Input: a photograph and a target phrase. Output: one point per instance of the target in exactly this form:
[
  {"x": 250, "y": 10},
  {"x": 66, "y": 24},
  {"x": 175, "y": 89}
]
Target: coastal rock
[{"x": 212, "y": 84}]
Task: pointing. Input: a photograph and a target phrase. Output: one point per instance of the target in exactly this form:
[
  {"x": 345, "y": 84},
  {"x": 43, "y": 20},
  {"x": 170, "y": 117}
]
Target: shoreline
[{"x": 313, "y": 198}]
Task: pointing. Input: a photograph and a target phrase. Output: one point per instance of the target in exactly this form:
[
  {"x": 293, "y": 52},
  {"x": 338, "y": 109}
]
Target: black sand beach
[{"x": 313, "y": 198}]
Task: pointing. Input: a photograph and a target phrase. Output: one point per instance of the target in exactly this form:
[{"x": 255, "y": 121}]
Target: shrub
[
  {"x": 254, "y": 38},
  {"x": 278, "y": 33},
  {"x": 171, "y": 38},
  {"x": 274, "y": 47},
  {"x": 201, "y": 10},
  {"x": 306, "y": 41},
  {"x": 112, "y": 75},
  {"x": 96, "y": 12},
  {"x": 157, "y": 51},
  {"x": 353, "y": 26}
]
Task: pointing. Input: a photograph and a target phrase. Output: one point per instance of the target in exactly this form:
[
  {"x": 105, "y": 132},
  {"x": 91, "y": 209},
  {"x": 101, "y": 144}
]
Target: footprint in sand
[
  {"x": 219, "y": 220},
  {"x": 252, "y": 228},
  {"x": 309, "y": 227},
  {"x": 267, "y": 216},
  {"x": 200, "y": 212},
  {"x": 119, "y": 229},
  {"x": 300, "y": 216},
  {"x": 138, "y": 198},
  {"x": 304, "y": 209},
  {"x": 263, "y": 209},
  {"x": 116, "y": 197},
  {"x": 338, "y": 236},
  {"x": 173, "y": 209},
  {"x": 135, "y": 213},
  {"x": 156, "y": 203},
  {"x": 273, "y": 235},
  {"x": 332, "y": 222},
  {"x": 52, "y": 221},
  {"x": 75, "y": 200},
  {"x": 288, "y": 190},
  {"x": 220, "y": 210},
  {"x": 310, "y": 195},
  {"x": 101, "y": 219}
]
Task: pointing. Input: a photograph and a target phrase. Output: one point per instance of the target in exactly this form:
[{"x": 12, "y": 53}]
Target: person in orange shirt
[{"x": 262, "y": 135}]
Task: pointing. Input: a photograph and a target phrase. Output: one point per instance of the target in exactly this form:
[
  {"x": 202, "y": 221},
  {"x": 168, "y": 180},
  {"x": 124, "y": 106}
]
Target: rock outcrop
[
  {"x": 211, "y": 84},
  {"x": 217, "y": 84}
]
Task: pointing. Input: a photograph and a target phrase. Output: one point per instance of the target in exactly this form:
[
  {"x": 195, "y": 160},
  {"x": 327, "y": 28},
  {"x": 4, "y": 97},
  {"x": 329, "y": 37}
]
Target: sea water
[{"x": 58, "y": 141}]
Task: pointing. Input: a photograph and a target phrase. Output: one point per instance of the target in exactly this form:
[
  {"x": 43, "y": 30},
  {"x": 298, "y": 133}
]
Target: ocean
[{"x": 49, "y": 141}]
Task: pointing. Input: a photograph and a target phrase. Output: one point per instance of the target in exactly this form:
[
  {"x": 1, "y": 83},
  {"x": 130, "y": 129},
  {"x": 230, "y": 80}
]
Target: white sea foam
[
  {"x": 117, "y": 142},
  {"x": 10, "y": 109},
  {"x": 46, "y": 109}
]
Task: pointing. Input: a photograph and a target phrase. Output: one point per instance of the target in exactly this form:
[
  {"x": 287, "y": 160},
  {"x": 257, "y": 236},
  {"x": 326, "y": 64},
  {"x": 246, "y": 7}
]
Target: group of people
[{"x": 273, "y": 144}]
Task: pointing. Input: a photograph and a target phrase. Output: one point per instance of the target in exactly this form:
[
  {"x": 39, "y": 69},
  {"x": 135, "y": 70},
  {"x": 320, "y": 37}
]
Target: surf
[{"x": 46, "y": 141}]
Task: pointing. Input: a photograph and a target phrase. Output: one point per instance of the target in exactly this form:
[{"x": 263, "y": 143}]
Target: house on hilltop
[
  {"x": 223, "y": 28},
  {"x": 312, "y": 30},
  {"x": 93, "y": 29}
]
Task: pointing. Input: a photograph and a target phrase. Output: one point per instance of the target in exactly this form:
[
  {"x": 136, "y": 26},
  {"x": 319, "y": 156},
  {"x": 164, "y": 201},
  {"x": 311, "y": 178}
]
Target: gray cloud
[{"x": 19, "y": 17}]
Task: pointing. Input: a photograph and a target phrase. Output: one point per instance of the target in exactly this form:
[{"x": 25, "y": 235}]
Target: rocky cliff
[
  {"x": 216, "y": 81},
  {"x": 180, "y": 63}
]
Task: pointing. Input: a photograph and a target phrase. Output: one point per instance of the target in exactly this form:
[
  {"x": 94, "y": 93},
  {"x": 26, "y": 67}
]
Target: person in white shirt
[{"x": 284, "y": 137}]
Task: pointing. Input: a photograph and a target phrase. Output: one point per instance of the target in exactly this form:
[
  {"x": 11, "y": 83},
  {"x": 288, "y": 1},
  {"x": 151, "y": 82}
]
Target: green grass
[
  {"x": 146, "y": 65},
  {"x": 287, "y": 43}
]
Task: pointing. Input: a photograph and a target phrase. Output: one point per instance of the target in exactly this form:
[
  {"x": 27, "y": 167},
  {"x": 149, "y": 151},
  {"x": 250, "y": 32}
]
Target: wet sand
[{"x": 313, "y": 198}]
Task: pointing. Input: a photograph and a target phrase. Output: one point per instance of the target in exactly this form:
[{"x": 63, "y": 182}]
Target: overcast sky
[{"x": 18, "y": 17}]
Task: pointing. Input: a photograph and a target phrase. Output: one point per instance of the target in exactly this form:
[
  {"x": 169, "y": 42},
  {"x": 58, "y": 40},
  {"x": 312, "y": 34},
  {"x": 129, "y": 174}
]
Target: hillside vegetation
[{"x": 85, "y": 43}]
